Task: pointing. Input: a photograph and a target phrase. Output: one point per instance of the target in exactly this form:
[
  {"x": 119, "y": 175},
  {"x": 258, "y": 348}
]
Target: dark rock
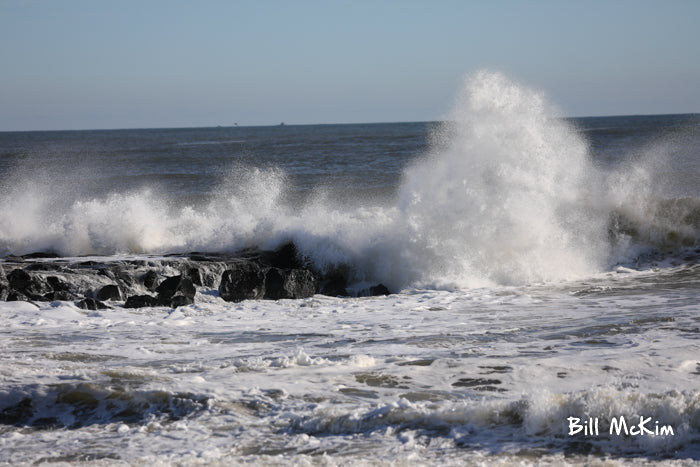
[
  {"x": 91, "y": 304},
  {"x": 43, "y": 267},
  {"x": 15, "y": 296},
  {"x": 294, "y": 283},
  {"x": 140, "y": 301},
  {"x": 127, "y": 278},
  {"x": 41, "y": 254},
  {"x": 62, "y": 295},
  {"x": 195, "y": 275},
  {"x": 4, "y": 291},
  {"x": 19, "y": 279},
  {"x": 175, "y": 285},
  {"x": 57, "y": 284},
  {"x": 335, "y": 287},
  {"x": 150, "y": 280},
  {"x": 14, "y": 259},
  {"x": 379, "y": 289},
  {"x": 285, "y": 257},
  {"x": 31, "y": 286},
  {"x": 109, "y": 292},
  {"x": 243, "y": 281},
  {"x": 180, "y": 300}
]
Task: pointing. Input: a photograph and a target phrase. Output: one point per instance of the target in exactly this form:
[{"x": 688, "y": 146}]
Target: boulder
[
  {"x": 335, "y": 287},
  {"x": 195, "y": 275},
  {"x": 180, "y": 300},
  {"x": 109, "y": 292},
  {"x": 140, "y": 301},
  {"x": 285, "y": 257},
  {"x": 176, "y": 291},
  {"x": 293, "y": 283},
  {"x": 26, "y": 284},
  {"x": 150, "y": 280},
  {"x": 19, "y": 279},
  {"x": 244, "y": 280},
  {"x": 62, "y": 295},
  {"x": 379, "y": 289},
  {"x": 57, "y": 284}
]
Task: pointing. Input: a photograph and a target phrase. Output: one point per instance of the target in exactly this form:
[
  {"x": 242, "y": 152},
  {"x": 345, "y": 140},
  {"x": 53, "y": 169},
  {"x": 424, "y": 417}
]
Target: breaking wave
[{"x": 507, "y": 194}]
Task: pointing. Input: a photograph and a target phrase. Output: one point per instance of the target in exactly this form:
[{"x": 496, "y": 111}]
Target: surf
[{"x": 507, "y": 193}]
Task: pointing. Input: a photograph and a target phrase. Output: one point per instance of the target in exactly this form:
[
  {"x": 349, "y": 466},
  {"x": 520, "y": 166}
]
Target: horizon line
[{"x": 284, "y": 124}]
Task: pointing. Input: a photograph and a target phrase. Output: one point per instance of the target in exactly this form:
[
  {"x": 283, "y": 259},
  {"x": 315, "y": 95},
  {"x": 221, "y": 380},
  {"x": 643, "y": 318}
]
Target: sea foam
[{"x": 507, "y": 194}]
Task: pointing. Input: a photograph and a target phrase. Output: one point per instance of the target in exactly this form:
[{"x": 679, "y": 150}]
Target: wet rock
[
  {"x": 180, "y": 300},
  {"x": 109, "y": 292},
  {"x": 15, "y": 296},
  {"x": 91, "y": 304},
  {"x": 62, "y": 295},
  {"x": 31, "y": 286},
  {"x": 244, "y": 280},
  {"x": 379, "y": 289},
  {"x": 335, "y": 287},
  {"x": 176, "y": 291},
  {"x": 293, "y": 283},
  {"x": 41, "y": 254},
  {"x": 57, "y": 284},
  {"x": 150, "y": 280},
  {"x": 285, "y": 257},
  {"x": 14, "y": 259},
  {"x": 195, "y": 275},
  {"x": 19, "y": 279},
  {"x": 140, "y": 301}
]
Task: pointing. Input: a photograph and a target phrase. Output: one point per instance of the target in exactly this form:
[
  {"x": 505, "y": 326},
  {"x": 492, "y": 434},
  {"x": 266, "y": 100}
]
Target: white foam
[{"x": 506, "y": 195}]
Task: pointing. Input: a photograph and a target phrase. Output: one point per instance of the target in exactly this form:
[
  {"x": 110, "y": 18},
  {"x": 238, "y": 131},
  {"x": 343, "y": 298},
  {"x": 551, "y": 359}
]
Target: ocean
[{"x": 544, "y": 276}]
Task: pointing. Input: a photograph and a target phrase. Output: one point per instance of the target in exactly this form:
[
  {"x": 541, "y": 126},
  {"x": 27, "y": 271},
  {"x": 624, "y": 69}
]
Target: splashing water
[{"x": 507, "y": 194}]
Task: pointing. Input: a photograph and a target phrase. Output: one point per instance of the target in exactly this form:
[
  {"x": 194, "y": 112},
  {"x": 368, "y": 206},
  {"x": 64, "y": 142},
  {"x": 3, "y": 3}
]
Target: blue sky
[{"x": 74, "y": 64}]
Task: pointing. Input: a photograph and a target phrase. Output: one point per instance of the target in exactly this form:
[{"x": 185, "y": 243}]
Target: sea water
[{"x": 546, "y": 305}]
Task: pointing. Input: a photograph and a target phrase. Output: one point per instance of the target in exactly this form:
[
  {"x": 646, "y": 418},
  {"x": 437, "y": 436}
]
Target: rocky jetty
[{"x": 94, "y": 283}]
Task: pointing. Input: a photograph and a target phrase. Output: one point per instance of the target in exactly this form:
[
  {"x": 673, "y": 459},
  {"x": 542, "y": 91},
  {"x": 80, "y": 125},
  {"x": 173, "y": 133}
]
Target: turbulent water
[{"x": 545, "y": 270}]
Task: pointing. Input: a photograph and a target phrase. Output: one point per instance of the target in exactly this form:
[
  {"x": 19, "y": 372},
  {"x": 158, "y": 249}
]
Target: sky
[{"x": 86, "y": 64}]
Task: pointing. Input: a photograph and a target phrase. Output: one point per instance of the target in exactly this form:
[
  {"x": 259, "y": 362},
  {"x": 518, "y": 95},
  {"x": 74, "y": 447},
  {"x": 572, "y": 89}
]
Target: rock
[
  {"x": 140, "y": 301},
  {"x": 41, "y": 254},
  {"x": 379, "y": 289},
  {"x": 19, "y": 279},
  {"x": 335, "y": 287},
  {"x": 15, "y": 296},
  {"x": 14, "y": 259},
  {"x": 91, "y": 304},
  {"x": 4, "y": 291},
  {"x": 176, "y": 285},
  {"x": 180, "y": 300},
  {"x": 150, "y": 280},
  {"x": 31, "y": 286},
  {"x": 109, "y": 292},
  {"x": 195, "y": 275},
  {"x": 294, "y": 283},
  {"x": 176, "y": 291},
  {"x": 243, "y": 281},
  {"x": 57, "y": 284},
  {"x": 62, "y": 295},
  {"x": 285, "y": 257}
]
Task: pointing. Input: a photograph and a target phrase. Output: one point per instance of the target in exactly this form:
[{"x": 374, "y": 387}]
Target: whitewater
[{"x": 542, "y": 269}]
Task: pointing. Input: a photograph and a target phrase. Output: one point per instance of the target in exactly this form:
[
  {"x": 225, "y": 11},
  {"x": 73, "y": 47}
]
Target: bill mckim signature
[{"x": 619, "y": 426}]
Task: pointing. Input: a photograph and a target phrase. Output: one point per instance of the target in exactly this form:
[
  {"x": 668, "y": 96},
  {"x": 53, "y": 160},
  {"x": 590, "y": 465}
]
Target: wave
[
  {"x": 74, "y": 406},
  {"x": 507, "y": 194},
  {"x": 540, "y": 421}
]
